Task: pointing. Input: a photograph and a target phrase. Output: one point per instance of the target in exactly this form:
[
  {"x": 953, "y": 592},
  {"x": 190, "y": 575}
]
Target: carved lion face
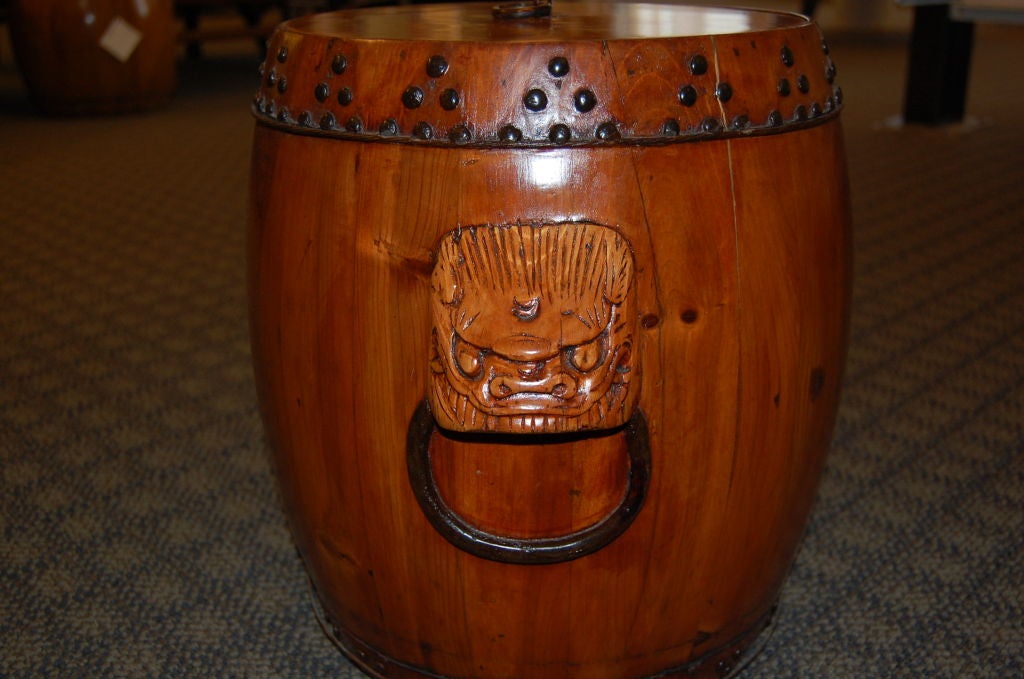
[{"x": 533, "y": 329}]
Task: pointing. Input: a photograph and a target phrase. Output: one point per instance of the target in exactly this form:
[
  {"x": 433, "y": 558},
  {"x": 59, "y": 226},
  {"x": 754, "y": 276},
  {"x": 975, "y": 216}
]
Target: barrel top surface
[
  {"x": 570, "y": 20},
  {"x": 592, "y": 73}
]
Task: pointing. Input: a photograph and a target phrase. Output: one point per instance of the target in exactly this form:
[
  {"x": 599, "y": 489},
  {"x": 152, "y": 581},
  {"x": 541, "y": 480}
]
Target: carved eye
[
  {"x": 468, "y": 358},
  {"x": 586, "y": 357}
]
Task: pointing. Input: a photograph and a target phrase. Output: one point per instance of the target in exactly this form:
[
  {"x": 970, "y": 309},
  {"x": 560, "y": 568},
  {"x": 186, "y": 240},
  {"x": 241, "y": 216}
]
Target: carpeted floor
[{"x": 141, "y": 534}]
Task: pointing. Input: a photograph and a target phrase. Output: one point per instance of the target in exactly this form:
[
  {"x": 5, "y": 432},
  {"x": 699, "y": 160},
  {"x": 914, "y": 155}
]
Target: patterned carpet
[{"x": 141, "y": 534}]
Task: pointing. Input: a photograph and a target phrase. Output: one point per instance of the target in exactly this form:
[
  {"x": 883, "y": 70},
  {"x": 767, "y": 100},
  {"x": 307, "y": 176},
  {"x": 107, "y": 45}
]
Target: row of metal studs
[
  {"x": 558, "y": 134},
  {"x": 535, "y": 100}
]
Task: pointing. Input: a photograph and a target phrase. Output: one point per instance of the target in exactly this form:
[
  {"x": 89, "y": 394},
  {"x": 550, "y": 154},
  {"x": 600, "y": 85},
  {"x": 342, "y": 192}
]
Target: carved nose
[
  {"x": 524, "y": 348},
  {"x": 562, "y": 386}
]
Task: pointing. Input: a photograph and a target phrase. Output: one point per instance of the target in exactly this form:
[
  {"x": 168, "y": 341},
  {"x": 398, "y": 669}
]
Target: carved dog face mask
[{"x": 533, "y": 329}]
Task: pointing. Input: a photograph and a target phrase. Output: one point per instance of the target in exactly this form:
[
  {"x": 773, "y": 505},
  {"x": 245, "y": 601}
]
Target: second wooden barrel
[
  {"x": 548, "y": 318},
  {"x": 95, "y": 56}
]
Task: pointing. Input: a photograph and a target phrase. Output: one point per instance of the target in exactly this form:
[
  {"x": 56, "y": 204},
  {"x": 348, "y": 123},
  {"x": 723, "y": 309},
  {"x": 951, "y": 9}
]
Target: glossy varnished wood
[
  {"x": 57, "y": 47},
  {"x": 739, "y": 295},
  {"x": 762, "y": 78}
]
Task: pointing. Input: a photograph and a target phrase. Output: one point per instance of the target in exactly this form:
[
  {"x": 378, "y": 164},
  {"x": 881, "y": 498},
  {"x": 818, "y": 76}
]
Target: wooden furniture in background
[
  {"x": 257, "y": 18},
  {"x": 548, "y": 320},
  {"x": 252, "y": 12},
  {"x": 81, "y": 57}
]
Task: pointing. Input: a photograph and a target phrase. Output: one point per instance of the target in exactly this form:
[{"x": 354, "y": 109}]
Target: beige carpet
[{"x": 140, "y": 534}]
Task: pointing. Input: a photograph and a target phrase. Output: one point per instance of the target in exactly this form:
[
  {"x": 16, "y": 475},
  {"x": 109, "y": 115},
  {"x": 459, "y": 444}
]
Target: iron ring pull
[{"x": 514, "y": 550}]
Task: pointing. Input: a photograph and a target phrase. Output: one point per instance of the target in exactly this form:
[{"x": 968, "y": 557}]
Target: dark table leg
[
  {"x": 940, "y": 61},
  {"x": 190, "y": 15}
]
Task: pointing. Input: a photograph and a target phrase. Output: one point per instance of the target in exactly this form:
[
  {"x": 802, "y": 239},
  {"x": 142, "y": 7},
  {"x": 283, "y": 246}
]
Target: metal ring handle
[{"x": 515, "y": 550}]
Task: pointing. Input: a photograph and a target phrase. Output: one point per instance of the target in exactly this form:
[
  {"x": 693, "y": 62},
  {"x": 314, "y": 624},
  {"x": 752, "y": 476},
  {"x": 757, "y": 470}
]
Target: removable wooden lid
[{"x": 591, "y": 73}]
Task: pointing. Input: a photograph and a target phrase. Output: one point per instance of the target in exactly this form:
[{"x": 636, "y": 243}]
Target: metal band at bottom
[{"x": 515, "y": 550}]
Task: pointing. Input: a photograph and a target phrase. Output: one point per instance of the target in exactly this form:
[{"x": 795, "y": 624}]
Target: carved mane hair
[{"x": 568, "y": 262}]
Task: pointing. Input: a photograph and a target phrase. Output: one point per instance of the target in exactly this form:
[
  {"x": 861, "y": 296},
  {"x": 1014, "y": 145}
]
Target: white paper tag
[{"x": 120, "y": 39}]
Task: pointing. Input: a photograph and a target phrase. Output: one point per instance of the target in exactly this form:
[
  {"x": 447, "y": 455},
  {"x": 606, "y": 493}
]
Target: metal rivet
[
  {"x": 345, "y": 96},
  {"x": 800, "y": 113},
  {"x": 449, "y": 99},
  {"x": 460, "y": 134},
  {"x": 607, "y": 131},
  {"x": 824, "y": 47},
  {"x": 510, "y": 134},
  {"x": 584, "y": 100},
  {"x": 282, "y": 54},
  {"x": 687, "y": 95},
  {"x": 670, "y": 128},
  {"x": 412, "y": 97},
  {"x": 558, "y": 67},
  {"x": 306, "y": 119},
  {"x": 321, "y": 92},
  {"x": 830, "y": 104},
  {"x": 271, "y": 107},
  {"x": 437, "y": 66},
  {"x": 839, "y": 96},
  {"x": 787, "y": 55},
  {"x": 559, "y": 133},
  {"x": 698, "y": 64},
  {"x": 830, "y": 72},
  {"x": 389, "y": 128},
  {"x": 723, "y": 91},
  {"x": 689, "y": 316},
  {"x": 258, "y": 103},
  {"x": 423, "y": 131},
  {"x": 354, "y": 124},
  {"x": 272, "y": 78},
  {"x": 535, "y": 100},
  {"x": 338, "y": 64},
  {"x": 803, "y": 84},
  {"x": 282, "y": 84},
  {"x": 710, "y": 124},
  {"x": 282, "y": 114},
  {"x": 261, "y": 70},
  {"x": 327, "y": 121},
  {"x": 740, "y": 122},
  {"x": 815, "y": 110},
  {"x": 783, "y": 87},
  {"x": 774, "y": 119}
]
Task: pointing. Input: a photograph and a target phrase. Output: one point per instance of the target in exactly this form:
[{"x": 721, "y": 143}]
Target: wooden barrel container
[
  {"x": 548, "y": 319},
  {"x": 95, "y": 56}
]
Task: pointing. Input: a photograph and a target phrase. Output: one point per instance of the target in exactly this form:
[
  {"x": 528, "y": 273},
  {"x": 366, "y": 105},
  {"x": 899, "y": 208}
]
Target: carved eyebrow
[
  {"x": 463, "y": 323},
  {"x": 582, "y": 320}
]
